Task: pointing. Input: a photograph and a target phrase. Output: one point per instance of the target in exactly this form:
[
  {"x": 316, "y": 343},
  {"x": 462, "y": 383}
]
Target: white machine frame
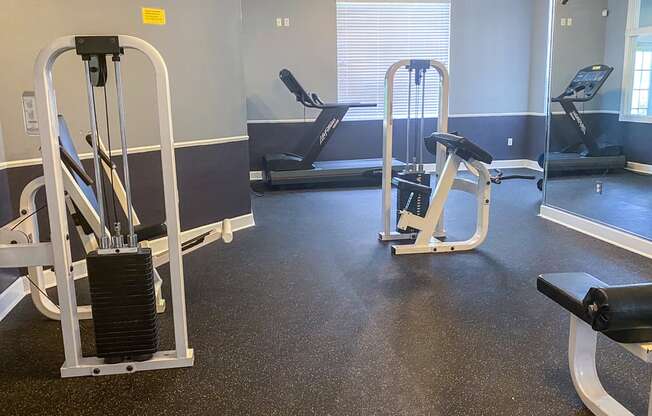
[
  {"x": 425, "y": 241},
  {"x": 430, "y": 228},
  {"x": 58, "y": 182},
  {"x": 581, "y": 359},
  {"x": 387, "y": 234}
]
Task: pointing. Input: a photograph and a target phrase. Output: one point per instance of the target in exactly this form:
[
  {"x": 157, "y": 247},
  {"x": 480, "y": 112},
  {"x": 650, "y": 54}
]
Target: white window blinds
[{"x": 371, "y": 36}]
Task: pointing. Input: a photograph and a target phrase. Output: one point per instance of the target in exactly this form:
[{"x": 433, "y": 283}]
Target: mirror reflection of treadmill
[
  {"x": 590, "y": 155},
  {"x": 292, "y": 169}
]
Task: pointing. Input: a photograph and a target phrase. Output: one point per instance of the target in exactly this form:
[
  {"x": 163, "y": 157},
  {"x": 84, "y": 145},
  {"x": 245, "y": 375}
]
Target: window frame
[
  {"x": 380, "y": 115},
  {"x": 632, "y": 33}
]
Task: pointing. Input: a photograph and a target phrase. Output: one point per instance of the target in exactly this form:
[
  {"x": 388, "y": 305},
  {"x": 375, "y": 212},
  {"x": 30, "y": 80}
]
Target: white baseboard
[
  {"x": 11, "y": 296},
  {"x": 602, "y": 232},
  {"x": 639, "y": 168}
]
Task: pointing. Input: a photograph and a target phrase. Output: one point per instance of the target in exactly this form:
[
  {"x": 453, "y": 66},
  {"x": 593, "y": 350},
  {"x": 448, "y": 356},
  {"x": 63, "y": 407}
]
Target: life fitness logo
[
  {"x": 331, "y": 126},
  {"x": 579, "y": 122}
]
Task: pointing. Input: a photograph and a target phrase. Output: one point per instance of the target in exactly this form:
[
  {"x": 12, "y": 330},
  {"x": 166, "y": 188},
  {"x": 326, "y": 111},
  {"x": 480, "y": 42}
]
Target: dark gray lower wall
[
  {"x": 363, "y": 139},
  {"x": 5, "y": 198},
  {"x": 636, "y": 138},
  {"x": 6, "y": 276},
  {"x": 213, "y": 184}
]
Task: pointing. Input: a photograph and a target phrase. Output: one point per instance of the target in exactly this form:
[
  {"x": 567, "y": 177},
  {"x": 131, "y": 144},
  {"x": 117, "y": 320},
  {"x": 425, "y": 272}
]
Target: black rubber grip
[
  {"x": 105, "y": 158},
  {"x": 620, "y": 308}
]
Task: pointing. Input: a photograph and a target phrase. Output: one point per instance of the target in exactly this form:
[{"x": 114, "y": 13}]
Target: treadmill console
[{"x": 588, "y": 81}]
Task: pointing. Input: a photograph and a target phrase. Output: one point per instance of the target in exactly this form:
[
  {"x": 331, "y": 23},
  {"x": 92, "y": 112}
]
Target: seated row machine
[
  {"x": 622, "y": 313},
  {"x": 420, "y": 218}
]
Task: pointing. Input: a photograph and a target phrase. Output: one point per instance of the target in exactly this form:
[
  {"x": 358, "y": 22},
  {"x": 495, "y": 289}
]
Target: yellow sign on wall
[{"x": 153, "y": 16}]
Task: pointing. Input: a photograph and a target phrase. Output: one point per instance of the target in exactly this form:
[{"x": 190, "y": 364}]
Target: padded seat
[
  {"x": 459, "y": 145},
  {"x": 623, "y": 313},
  {"x": 151, "y": 232}
]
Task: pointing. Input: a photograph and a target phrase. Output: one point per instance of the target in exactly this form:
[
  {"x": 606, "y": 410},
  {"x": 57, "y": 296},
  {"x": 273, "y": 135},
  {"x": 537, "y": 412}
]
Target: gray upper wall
[
  {"x": 490, "y": 55},
  {"x": 201, "y": 45},
  {"x": 614, "y": 53},
  {"x": 579, "y": 45},
  {"x": 592, "y": 39},
  {"x": 539, "y": 56},
  {"x": 308, "y": 48}
]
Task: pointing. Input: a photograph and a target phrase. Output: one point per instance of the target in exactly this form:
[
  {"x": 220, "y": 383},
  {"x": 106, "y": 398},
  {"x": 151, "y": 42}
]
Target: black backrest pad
[
  {"x": 65, "y": 140},
  {"x": 295, "y": 88},
  {"x": 459, "y": 145}
]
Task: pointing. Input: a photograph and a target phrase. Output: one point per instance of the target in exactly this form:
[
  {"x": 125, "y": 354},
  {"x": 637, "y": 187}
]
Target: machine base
[
  {"x": 363, "y": 172},
  {"x": 565, "y": 163}
]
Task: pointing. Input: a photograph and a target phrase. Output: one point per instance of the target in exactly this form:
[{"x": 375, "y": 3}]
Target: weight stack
[
  {"x": 123, "y": 301},
  {"x": 419, "y": 203}
]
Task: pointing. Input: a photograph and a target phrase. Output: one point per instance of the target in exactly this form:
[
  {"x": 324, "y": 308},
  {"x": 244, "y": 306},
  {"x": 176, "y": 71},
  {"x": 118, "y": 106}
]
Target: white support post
[
  {"x": 581, "y": 357},
  {"x": 388, "y": 148},
  {"x": 171, "y": 192},
  {"x": 54, "y": 188},
  {"x": 438, "y": 203}
]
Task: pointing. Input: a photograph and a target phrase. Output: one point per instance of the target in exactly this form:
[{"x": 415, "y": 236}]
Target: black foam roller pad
[{"x": 624, "y": 313}]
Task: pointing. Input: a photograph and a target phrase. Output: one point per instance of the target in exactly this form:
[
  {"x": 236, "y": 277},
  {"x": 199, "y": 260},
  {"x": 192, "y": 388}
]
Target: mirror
[{"x": 599, "y": 150}]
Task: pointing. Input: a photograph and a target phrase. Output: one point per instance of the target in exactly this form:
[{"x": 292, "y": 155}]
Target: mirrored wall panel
[{"x": 599, "y": 150}]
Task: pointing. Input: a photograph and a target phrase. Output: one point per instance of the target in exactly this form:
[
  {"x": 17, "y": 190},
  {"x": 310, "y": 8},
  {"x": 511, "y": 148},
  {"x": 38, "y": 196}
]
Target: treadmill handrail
[{"x": 313, "y": 100}]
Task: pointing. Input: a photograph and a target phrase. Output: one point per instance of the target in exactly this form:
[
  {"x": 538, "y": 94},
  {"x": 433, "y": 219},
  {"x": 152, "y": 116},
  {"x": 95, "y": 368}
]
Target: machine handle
[
  {"x": 74, "y": 166},
  {"x": 105, "y": 158},
  {"x": 227, "y": 231}
]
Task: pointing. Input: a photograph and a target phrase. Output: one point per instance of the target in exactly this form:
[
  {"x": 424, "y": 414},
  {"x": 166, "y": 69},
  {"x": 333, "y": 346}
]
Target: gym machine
[
  {"x": 125, "y": 292},
  {"x": 420, "y": 211},
  {"x": 588, "y": 155},
  {"x": 423, "y": 226},
  {"x": 621, "y": 313},
  {"x": 292, "y": 169},
  {"x": 413, "y": 183}
]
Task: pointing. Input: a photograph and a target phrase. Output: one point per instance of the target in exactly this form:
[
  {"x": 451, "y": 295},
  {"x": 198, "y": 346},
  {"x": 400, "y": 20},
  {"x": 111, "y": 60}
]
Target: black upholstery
[
  {"x": 615, "y": 308},
  {"x": 459, "y": 145},
  {"x": 151, "y": 232},
  {"x": 623, "y": 313}
]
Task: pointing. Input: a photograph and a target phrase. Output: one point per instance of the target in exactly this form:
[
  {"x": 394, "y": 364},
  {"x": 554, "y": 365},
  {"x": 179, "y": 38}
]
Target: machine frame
[
  {"x": 387, "y": 234},
  {"x": 59, "y": 249}
]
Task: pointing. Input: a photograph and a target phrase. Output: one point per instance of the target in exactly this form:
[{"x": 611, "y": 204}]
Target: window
[
  {"x": 371, "y": 36},
  {"x": 636, "y": 105},
  {"x": 640, "y": 101}
]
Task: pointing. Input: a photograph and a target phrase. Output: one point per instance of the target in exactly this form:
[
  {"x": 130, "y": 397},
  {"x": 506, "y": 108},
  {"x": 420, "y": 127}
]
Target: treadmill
[
  {"x": 291, "y": 169},
  {"x": 588, "y": 155}
]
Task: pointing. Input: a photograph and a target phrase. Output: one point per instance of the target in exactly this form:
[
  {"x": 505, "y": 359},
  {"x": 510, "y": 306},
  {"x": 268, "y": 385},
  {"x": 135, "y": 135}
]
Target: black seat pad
[
  {"x": 459, "y": 145},
  {"x": 151, "y": 232},
  {"x": 623, "y": 313}
]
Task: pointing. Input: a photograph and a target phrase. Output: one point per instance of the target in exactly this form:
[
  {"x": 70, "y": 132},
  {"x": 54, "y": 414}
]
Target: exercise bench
[{"x": 622, "y": 313}]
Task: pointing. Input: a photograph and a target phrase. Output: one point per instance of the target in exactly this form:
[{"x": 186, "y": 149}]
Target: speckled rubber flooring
[{"x": 308, "y": 313}]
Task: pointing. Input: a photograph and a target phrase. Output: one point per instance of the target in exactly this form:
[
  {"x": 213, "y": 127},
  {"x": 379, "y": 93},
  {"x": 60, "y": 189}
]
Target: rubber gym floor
[{"x": 307, "y": 313}]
